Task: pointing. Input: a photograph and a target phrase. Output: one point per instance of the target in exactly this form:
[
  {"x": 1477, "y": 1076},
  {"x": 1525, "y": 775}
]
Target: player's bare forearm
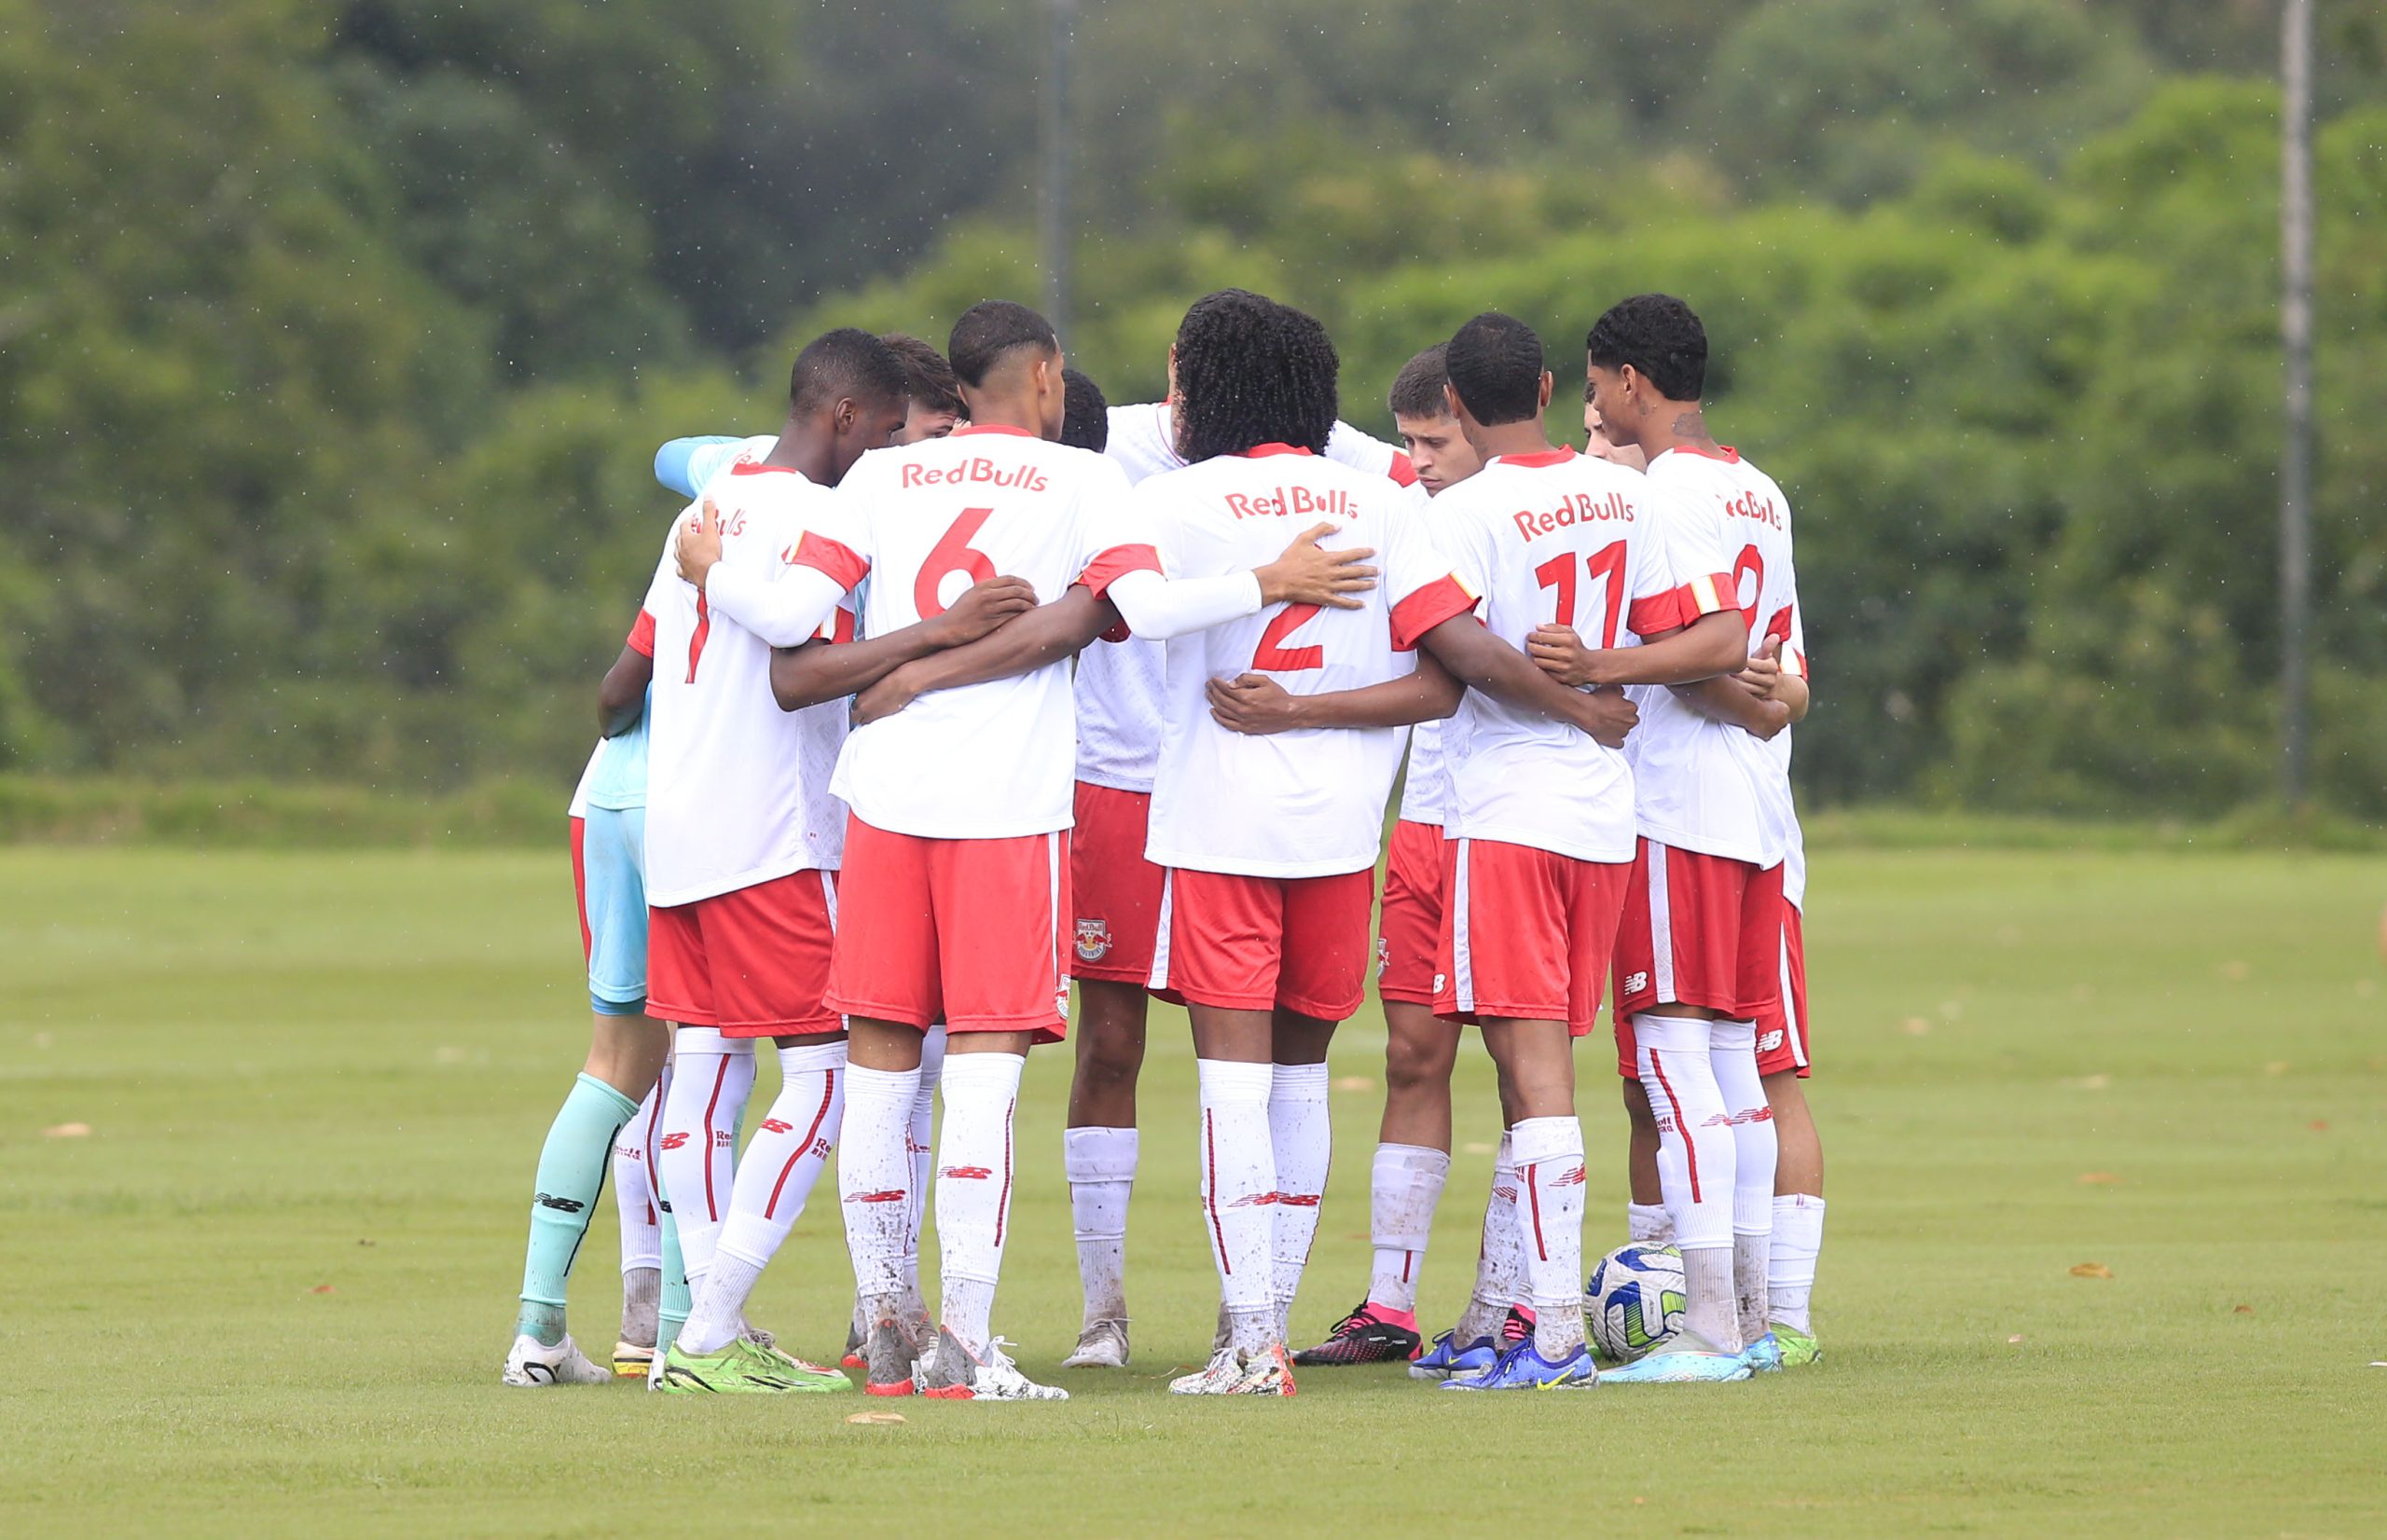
[
  {"x": 819, "y": 671},
  {"x": 1715, "y": 643},
  {"x": 1483, "y": 661},
  {"x": 621, "y": 700},
  {"x": 1042, "y": 635},
  {"x": 1728, "y": 701},
  {"x": 1256, "y": 705}
]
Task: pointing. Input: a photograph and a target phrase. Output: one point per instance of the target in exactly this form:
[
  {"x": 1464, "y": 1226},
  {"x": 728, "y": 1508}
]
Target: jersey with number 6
[
  {"x": 1561, "y": 538},
  {"x": 1290, "y": 804},
  {"x": 737, "y": 790},
  {"x": 925, "y": 521}
]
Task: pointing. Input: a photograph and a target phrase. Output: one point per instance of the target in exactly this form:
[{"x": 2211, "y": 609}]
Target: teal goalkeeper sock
[
  {"x": 571, "y": 1178},
  {"x": 673, "y": 1312}
]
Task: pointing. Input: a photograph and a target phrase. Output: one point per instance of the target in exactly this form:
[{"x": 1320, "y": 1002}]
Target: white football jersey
[
  {"x": 1302, "y": 804},
  {"x": 1425, "y": 792},
  {"x": 1756, "y": 537},
  {"x": 925, "y": 521},
  {"x": 1560, "y": 538},
  {"x": 738, "y": 789},
  {"x": 1701, "y": 785},
  {"x": 1119, "y": 683}
]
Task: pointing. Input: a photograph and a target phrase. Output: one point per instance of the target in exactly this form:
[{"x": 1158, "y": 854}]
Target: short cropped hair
[
  {"x": 1418, "y": 389},
  {"x": 1495, "y": 362},
  {"x": 848, "y": 362},
  {"x": 932, "y": 385},
  {"x": 990, "y": 329}
]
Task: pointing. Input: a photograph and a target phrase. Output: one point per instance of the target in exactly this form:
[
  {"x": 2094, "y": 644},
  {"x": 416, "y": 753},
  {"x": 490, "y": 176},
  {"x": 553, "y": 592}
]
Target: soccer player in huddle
[
  {"x": 604, "y": 1110},
  {"x": 1117, "y": 894},
  {"x": 743, "y": 844},
  {"x": 1699, "y": 955}
]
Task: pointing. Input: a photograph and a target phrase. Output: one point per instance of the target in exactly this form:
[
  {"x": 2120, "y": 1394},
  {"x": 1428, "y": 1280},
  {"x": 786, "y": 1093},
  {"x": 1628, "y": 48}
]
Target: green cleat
[
  {"x": 739, "y": 1368},
  {"x": 1798, "y": 1348},
  {"x": 792, "y": 1366}
]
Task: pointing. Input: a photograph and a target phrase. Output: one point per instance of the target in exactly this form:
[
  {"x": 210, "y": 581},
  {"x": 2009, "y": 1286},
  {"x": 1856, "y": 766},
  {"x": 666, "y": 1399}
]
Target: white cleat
[
  {"x": 533, "y": 1364},
  {"x": 1102, "y": 1345},
  {"x": 1230, "y": 1372},
  {"x": 952, "y": 1374}
]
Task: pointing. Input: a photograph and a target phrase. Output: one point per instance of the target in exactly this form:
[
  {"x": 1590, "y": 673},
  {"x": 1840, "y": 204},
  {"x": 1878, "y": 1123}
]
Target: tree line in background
[{"x": 335, "y": 341}]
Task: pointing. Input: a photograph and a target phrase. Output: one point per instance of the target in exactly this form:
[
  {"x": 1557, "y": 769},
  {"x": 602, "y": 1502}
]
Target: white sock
[
  {"x": 698, "y": 1151},
  {"x": 787, "y": 1155},
  {"x": 922, "y": 1139},
  {"x": 1100, "y": 1163},
  {"x": 1300, "y": 1132},
  {"x": 1239, "y": 1171},
  {"x": 1550, "y": 1220},
  {"x": 973, "y": 1189},
  {"x": 1404, "y": 1186},
  {"x": 1648, "y": 1224},
  {"x": 875, "y": 1183},
  {"x": 633, "y": 1192},
  {"x": 1732, "y": 1055},
  {"x": 1695, "y": 1166},
  {"x": 1790, "y": 1268},
  {"x": 1500, "y": 1260}
]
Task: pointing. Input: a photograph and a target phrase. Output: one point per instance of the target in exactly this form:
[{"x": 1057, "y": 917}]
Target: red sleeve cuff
[
  {"x": 1403, "y": 473},
  {"x": 1680, "y": 607},
  {"x": 1426, "y": 608},
  {"x": 642, "y": 636},
  {"x": 1116, "y": 563},
  {"x": 833, "y": 559}
]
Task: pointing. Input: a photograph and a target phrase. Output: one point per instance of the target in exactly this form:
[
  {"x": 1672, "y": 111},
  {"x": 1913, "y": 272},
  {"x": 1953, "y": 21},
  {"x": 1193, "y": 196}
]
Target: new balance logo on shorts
[
  {"x": 1771, "y": 1041},
  {"x": 1094, "y": 940},
  {"x": 1440, "y": 980},
  {"x": 1635, "y": 982}
]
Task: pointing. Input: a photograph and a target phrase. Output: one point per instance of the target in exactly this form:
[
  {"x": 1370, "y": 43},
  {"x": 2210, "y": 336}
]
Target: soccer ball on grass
[{"x": 1634, "y": 1301}]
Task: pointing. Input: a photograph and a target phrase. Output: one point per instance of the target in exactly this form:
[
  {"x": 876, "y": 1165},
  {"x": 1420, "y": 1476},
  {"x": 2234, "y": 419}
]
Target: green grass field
[{"x": 269, "y": 1292}]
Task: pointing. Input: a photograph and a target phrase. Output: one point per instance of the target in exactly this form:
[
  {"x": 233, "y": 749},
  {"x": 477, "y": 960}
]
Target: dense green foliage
[{"x": 334, "y": 340}]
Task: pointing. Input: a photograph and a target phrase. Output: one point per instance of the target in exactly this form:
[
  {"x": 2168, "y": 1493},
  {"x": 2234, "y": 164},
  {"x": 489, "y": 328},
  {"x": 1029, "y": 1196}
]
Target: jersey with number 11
[{"x": 1292, "y": 805}]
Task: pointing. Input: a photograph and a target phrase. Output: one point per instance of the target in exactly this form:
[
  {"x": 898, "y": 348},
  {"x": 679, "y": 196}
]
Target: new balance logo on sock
[
  {"x": 1747, "y": 1115},
  {"x": 1256, "y": 1199},
  {"x": 967, "y": 1173},
  {"x": 1298, "y": 1200},
  {"x": 893, "y": 1196},
  {"x": 1506, "y": 1194},
  {"x": 775, "y": 1125},
  {"x": 1573, "y": 1179},
  {"x": 673, "y": 1141},
  {"x": 566, "y": 1205}
]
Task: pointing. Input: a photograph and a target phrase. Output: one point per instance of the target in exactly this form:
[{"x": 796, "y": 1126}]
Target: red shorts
[
  {"x": 966, "y": 932},
  {"x": 1255, "y": 943},
  {"x": 1408, "y": 932},
  {"x": 753, "y": 963},
  {"x": 1528, "y": 933},
  {"x": 1700, "y": 930},
  {"x": 1117, "y": 891},
  {"x": 1782, "y": 1026}
]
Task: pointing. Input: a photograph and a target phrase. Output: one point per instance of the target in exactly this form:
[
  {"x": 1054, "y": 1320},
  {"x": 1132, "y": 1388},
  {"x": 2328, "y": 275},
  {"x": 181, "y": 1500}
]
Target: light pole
[
  {"x": 2295, "y": 458},
  {"x": 1052, "y": 202}
]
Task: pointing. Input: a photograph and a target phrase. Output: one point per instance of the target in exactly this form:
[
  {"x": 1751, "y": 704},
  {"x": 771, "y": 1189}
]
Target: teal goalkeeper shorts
[{"x": 609, "y": 874}]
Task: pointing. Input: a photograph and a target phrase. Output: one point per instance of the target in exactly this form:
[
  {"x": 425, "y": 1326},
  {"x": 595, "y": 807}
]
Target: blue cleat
[
  {"x": 1446, "y": 1358},
  {"x": 1680, "y": 1366},
  {"x": 1764, "y": 1355},
  {"x": 1524, "y": 1368}
]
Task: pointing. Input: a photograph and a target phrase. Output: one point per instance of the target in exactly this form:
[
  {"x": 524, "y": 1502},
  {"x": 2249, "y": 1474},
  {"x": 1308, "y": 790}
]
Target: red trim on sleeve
[
  {"x": 1426, "y": 608},
  {"x": 642, "y": 638},
  {"x": 1003, "y": 428},
  {"x": 1263, "y": 451},
  {"x": 1710, "y": 595},
  {"x": 1657, "y": 613},
  {"x": 1403, "y": 471},
  {"x": 1117, "y": 562},
  {"x": 756, "y": 468},
  {"x": 830, "y": 556}
]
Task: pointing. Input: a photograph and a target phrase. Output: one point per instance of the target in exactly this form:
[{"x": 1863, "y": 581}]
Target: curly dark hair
[
  {"x": 1658, "y": 336},
  {"x": 1418, "y": 389},
  {"x": 1086, "y": 420},
  {"x": 1250, "y": 371},
  {"x": 1495, "y": 364},
  {"x": 933, "y": 387}
]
